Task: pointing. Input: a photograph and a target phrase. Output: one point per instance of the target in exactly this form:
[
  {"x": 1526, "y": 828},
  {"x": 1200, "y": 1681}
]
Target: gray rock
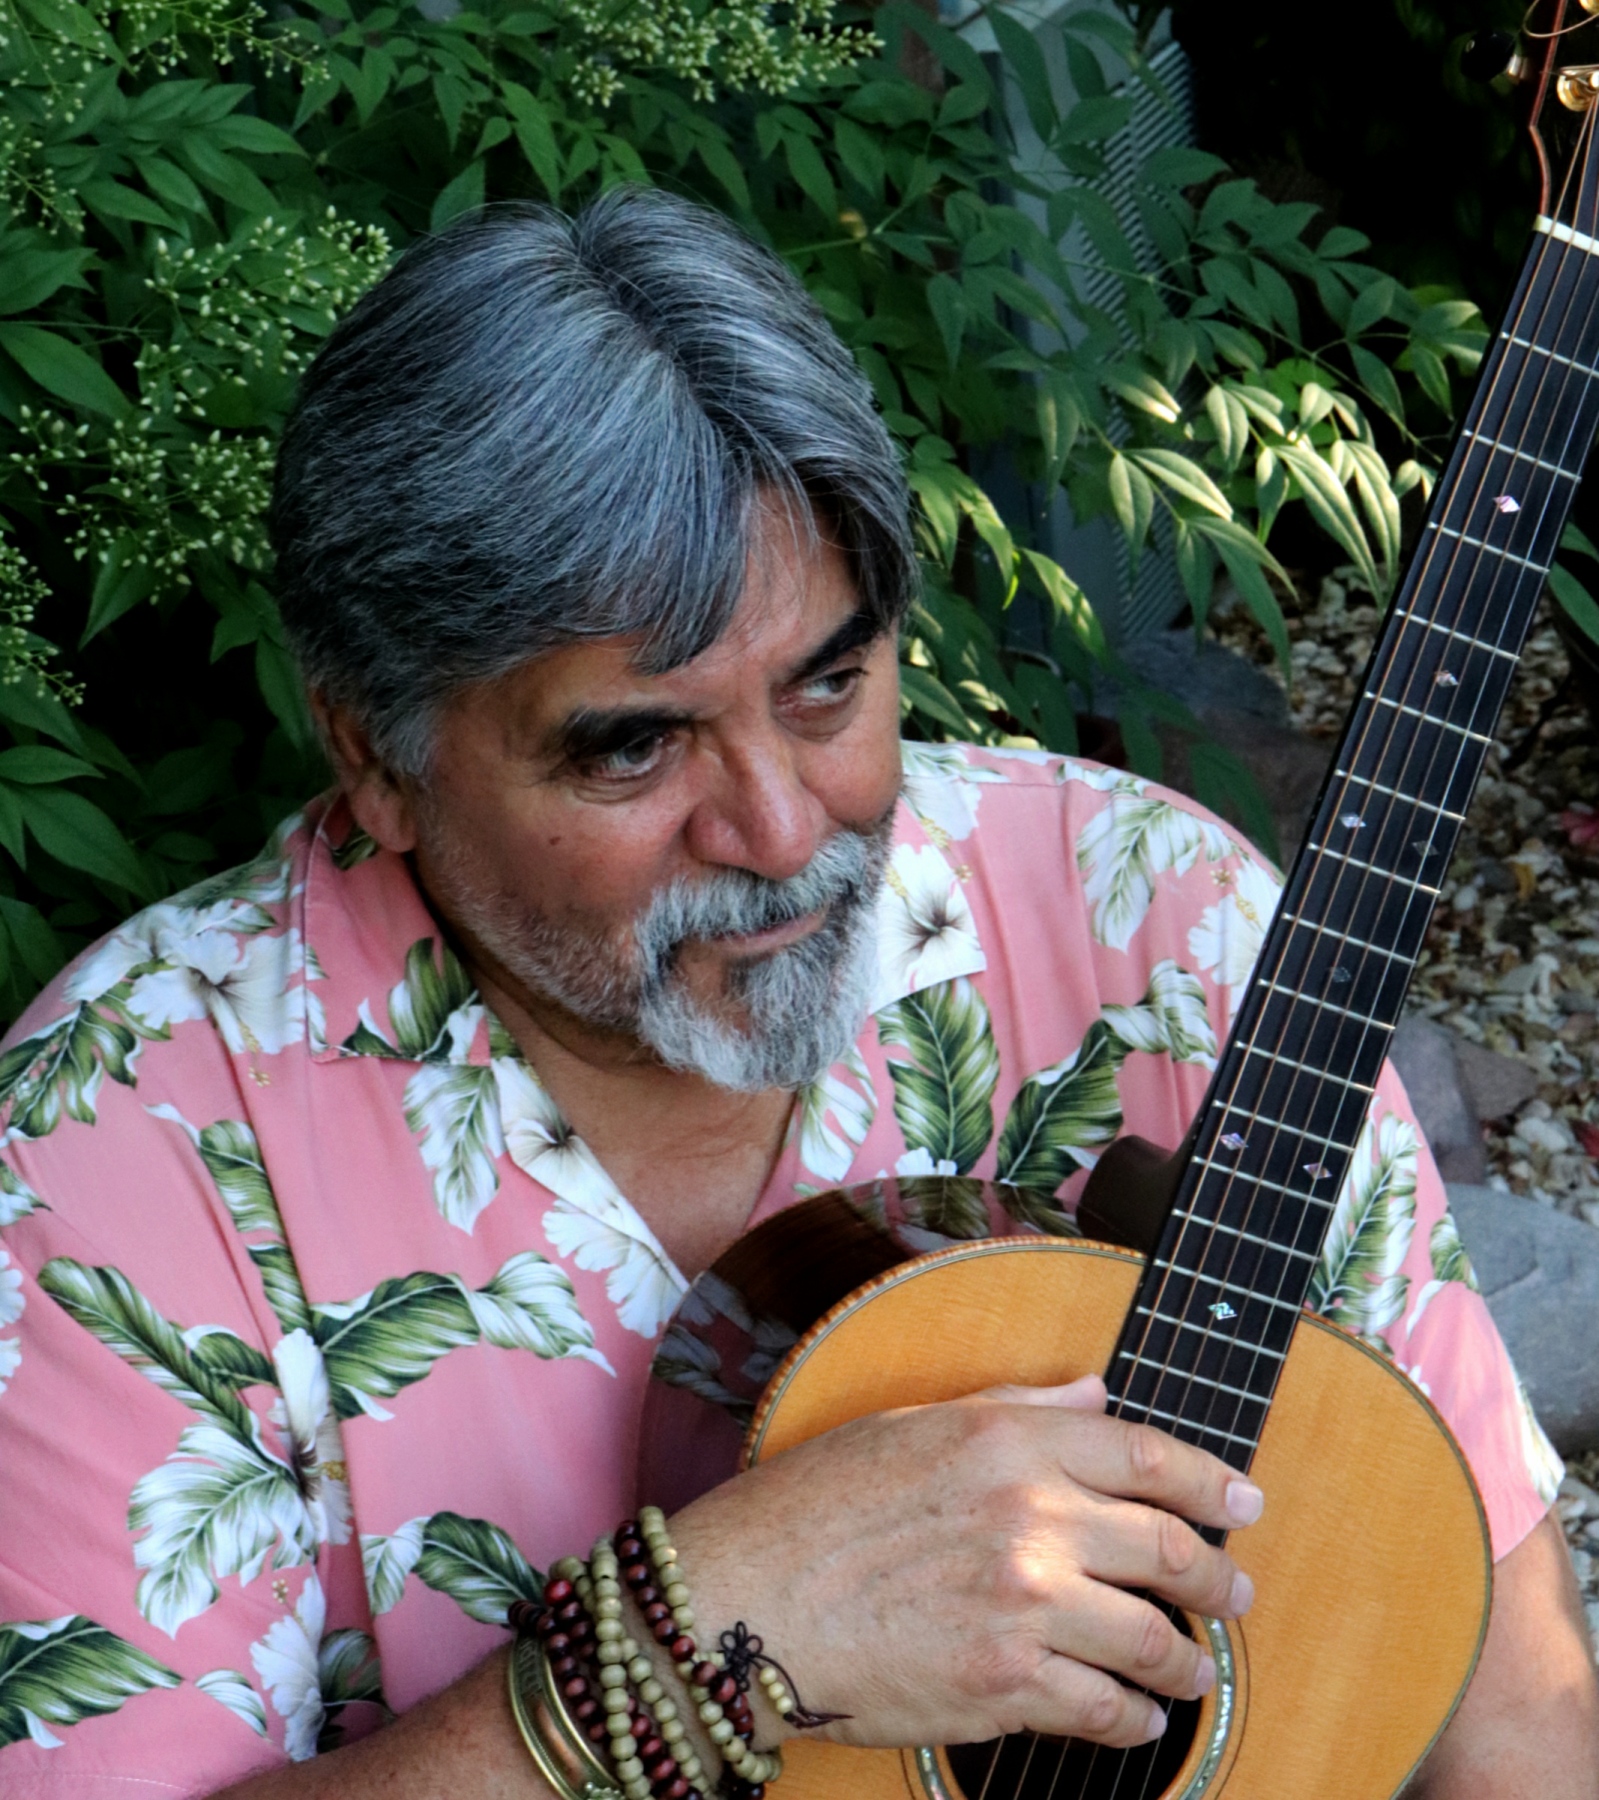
[
  {"x": 1427, "y": 1058},
  {"x": 1497, "y": 1085},
  {"x": 1539, "y": 1273}
]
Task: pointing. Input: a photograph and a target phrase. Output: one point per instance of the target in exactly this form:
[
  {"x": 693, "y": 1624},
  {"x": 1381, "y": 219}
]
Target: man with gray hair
[{"x": 347, "y": 1197}]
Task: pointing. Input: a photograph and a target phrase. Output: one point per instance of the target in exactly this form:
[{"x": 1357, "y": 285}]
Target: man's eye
[
  {"x": 636, "y": 758},
  {"x": 836, "y": 684}
]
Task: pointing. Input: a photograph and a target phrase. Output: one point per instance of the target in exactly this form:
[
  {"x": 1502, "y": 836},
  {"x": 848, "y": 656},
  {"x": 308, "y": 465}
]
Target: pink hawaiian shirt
[{"x": 321, "y": 1333}]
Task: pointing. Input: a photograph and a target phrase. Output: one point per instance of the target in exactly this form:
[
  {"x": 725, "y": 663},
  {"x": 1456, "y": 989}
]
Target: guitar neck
[{"x": 1242, "y": 1249}]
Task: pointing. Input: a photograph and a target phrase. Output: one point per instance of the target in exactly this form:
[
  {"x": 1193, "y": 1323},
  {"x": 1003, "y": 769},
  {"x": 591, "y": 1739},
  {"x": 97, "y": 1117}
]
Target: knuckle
[
  {"x": 1101, "y": 1708},
  {"x": 1148, "y": 1453},
  {"x": 994, "y": 1670},
  {"x": 1154, "y": 1641},
  {"x": 1176, "y": 1547}
]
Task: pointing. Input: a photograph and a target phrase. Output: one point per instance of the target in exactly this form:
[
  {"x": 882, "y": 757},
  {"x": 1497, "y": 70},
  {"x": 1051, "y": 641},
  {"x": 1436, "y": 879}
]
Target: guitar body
[{"x": 1371, "y": 1564}]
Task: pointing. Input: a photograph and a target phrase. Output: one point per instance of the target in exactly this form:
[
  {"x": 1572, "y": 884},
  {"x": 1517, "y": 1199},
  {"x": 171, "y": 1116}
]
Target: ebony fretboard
[{"x": 1202, "y": 1349}]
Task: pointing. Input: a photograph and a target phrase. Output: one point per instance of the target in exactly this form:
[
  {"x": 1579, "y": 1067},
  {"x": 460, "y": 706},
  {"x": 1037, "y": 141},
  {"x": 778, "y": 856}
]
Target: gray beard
[{"x": 802, "y": 1006}]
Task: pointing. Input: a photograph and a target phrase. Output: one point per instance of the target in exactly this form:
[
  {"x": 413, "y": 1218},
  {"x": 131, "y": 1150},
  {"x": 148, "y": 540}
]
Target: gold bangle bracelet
[{"x": 560, "y": 1752}]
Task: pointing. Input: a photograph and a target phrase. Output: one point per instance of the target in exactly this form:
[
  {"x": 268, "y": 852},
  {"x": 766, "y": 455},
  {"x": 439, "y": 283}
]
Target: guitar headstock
[{"x": 1559, "y": 57}]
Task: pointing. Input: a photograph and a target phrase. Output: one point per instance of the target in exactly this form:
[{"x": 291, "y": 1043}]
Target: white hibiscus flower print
[
  {"x": 10, "y": 1360},
  {"x": 304, "y": 1413},
  {"x": 286, "y": 1661},
  {"x": 926, "y": 933},
  {"x": 591, "y": 1221},
  {"x": 942, "y": 788},
  {"x": 241, "y": 984},
  {"x": 1226, "y": 942},
  {"x": 12, "y": 1299}
]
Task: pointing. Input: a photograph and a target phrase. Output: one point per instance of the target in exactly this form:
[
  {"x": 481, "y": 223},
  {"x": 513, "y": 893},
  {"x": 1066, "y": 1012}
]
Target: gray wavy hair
[{"x": 537, "y": 429}]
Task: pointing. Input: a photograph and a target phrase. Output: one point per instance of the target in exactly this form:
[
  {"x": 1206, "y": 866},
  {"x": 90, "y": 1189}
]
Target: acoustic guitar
[{"x": 1371, "y": 1565}]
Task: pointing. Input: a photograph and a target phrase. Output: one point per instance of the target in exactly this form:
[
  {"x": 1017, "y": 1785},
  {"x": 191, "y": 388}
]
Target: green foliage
[{"x": 194, "y": 191}]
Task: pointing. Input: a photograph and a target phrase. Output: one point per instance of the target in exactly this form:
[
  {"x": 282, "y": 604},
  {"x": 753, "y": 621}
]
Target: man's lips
[{"x": 775, "y": 937}]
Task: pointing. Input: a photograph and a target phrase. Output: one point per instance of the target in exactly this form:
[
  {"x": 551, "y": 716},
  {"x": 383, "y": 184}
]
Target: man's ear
[{"x": 380, "y": 800}]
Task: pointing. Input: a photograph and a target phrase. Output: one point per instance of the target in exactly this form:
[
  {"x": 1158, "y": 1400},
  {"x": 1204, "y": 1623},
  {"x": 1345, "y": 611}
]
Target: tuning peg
[{"x": 1490, "y": 54}]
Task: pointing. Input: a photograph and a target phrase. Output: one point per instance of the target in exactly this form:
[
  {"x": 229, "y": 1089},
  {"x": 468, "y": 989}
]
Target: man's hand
[{"x": 948, "y": 1573}]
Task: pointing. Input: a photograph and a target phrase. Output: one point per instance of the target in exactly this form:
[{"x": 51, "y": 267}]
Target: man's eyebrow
[
  {"x": 857, "y": 631},
  {"x": 591, "y": 733}
]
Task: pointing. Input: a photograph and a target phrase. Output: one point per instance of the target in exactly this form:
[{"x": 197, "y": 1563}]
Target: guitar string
[
  {"x": 1479, "y": 700},
  {"x": 1429, "y": 557},
  {"x": 1364, "y": 881},
  {"x": 1509, "y": 331}
]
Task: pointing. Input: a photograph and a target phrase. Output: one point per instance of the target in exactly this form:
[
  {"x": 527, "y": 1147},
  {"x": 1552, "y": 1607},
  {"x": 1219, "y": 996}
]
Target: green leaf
[
  {"x": 278, "y": 677},
  {"x": 234, "y": 1691},
  {"x": 29, "y": 277},
  {"x": 463, "y": 194},
  {"x": 218, "y": 1506},
  {"x": 1062, "y": 1115},
  {"x": 454, "y": 1110},
  {"x": 1449, "y": 1259},
  {"x": 1183, "y": 477},
  {"x": 477, "y": 1565},
  {"x": 1329, "y": 505},
  {"x": 1378, "y": 380},
  {"x": 530, "y": 1305},
  {"x": 943, "y": 1095},
  {"x": 1358, "y": 1283},
  {"x": 61, "y": 1671},
  {"x": 108, "y": 1306},
  {"x": 386, "y": 1561},
  {"x": 1026, "y": 61},
  {"x": 224, "y": 175},
  {"x": 423, "y": 1003},
  {"x": 1132, "y": 499},
  {"x": 924, "y": 693},
  {"x": 61, "y": 1068},
  {"x": 1231, "y": 424},
  {"x": 36, "y": 764},
  {"x": 1181, "y": 166},
  {"x": 1372, "y": 303},
  {"x": 860, "y": 154},
  {"x": 1059, "y": 421},
  {"x": 62, "y": 368},
  {"x": 952, "y": 1205},
  {"x": 1171, "y": 1020},
  {"x": 1575, "y": 600},
  {"x": 17, "y": 1199},
  {"x": 123, "y": 579},
  {"x": 391, "y": 1337},
  {"x": 78, "y": 834},
  {"x": 1247, "y": 560}
]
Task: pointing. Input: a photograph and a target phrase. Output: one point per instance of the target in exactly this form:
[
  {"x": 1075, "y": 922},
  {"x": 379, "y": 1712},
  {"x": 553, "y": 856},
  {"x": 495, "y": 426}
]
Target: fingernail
[
  {"x": 1157, "y": 1724},
  {"x": 1204, "y": 1676},
  {"x": 1245, "y": 1502},
  {"x": 1243, "y": 1594}
]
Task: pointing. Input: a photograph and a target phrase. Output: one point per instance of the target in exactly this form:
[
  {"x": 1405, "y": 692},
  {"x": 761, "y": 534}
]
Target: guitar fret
[
  {"x": 1416, "y": 713},
  {"x": 1377, "y": 787},
  {"x": 1224, "y": 1387},
  {"x": 1287, "y": 1062},
  {"x": 1250, "y": 1237},
  {"x": 1524, "y": 456},
  {"x": 1343, "y": 937},
  {"x": 1482, "y": 544},
  {"x": 1371, "y": 868},
  {"x": 1206, "y": 1331},
  {"x": 1311, "y": 1137},
  {"x": 1344, "y": 1012},
  {"x": 1460, "y": 637},
  {"x": 1276, "y": 1187},
  {"x": 1232, "y": 1437},
  {"x": 1292, "y": 1306},
  {"x": 1553, "y": 355}
]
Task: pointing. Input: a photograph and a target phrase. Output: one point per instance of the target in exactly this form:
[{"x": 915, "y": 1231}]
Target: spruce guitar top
[{"x": 1373, "y": 1556}]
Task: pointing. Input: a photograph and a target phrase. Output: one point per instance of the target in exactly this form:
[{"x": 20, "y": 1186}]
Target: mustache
[{"x": 739, "y": 903}]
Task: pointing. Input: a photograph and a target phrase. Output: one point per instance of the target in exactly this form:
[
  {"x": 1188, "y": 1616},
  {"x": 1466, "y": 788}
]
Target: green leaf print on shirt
[
  {"x": 385, "y": 1340},
  {"x": 234, "y": 1691},
  {"x": 60, "y": 1671},
  {"x": 1063, "y": 1114},
  {"x": 60, "y": 1069},
  {"x": 473, "y": 1561},
  {"x": 1126, "y": 845},
  {"x": 1449, "y": 1263},
  {"x": 1172, "y": 1018},
  {"x": 17, "y": 1199},
  {"x": 944, "y": 1095},
  {"x": 1358, "y": 1283},
  {"x": 421, "y": 1005},
  {"x": 454, "y": 1109}
]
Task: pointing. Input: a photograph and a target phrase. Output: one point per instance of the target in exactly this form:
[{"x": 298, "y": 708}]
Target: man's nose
[{"x": 758, "y": 814}]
